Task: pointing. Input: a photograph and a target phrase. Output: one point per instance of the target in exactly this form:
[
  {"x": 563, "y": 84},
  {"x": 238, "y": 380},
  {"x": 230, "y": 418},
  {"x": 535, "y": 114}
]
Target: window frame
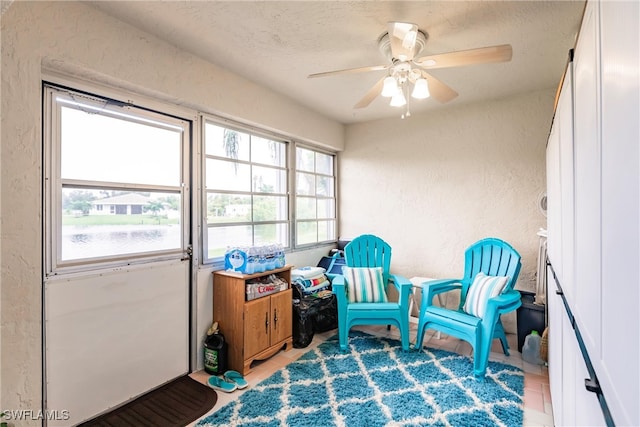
[
  {"x": 54, "y": 183},
  {"x": 253, "y": 132},
  {"x": 291, "y": 169},
  {"x": 295, "y": 196}
]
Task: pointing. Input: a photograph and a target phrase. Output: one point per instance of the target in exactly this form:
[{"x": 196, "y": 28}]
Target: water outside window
[{"x": 104, "y": 223}]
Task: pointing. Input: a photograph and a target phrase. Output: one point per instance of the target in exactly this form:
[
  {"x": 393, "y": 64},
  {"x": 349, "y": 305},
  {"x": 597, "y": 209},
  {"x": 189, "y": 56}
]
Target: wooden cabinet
[{"x": 256, "y": 329}]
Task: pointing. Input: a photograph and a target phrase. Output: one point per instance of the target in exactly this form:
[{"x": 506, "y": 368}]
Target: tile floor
[{"x": 537, "y": 397}]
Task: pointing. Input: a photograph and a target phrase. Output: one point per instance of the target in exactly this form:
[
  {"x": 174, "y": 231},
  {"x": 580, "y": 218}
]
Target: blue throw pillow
[{"x": 364, "y": 284}]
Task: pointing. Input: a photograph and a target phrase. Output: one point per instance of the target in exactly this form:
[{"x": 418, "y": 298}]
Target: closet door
[
  {"x": 554, "y": 304},
  {"x": 585, "y": 299},
  {"x": 560, "y": 243},
  {"x": 567, "y": 183},
  {"x": 618, "y": 367}
]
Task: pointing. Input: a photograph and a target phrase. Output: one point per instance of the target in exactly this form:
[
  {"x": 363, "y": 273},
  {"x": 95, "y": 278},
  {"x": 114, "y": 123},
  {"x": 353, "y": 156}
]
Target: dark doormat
[{"x": 174, "y": 404}]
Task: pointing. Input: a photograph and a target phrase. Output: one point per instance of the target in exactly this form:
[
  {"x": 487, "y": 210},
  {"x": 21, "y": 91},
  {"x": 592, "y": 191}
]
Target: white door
[{"x": 117, "y": 269}]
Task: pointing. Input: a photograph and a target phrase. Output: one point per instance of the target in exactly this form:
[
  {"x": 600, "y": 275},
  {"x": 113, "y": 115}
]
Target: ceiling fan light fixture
[
  {"x": 409, "y": 39},
  {"x": 390, "y": 87},
  {"x": 420, "y": 89},
  {"x": 405, "y": 77},
  {"x": 398, "y": 99}
]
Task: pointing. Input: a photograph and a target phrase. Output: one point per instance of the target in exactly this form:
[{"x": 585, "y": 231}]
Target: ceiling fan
[{"x": 401, "y": 44}]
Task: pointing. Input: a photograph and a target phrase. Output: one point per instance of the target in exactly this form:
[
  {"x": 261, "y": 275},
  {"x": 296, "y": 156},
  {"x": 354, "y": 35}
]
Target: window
[
  {"x": 246, "y": 200},
  {"x": 247, "y": 197},
  {"x": 115, "y": 177},
  {"x": 315, "y": 197}
]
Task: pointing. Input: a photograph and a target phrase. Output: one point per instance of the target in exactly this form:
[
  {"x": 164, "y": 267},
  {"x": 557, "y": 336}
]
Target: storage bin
[{"x": 530, "y": 317}]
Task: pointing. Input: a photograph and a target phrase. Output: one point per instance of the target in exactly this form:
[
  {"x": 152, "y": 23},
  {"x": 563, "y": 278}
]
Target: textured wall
[
  {"x": 77, "y": 40},
  {"x": 433, "y": 184}
]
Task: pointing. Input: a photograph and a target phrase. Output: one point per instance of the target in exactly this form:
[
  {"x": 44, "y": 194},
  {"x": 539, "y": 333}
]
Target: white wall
[
  {"x": 77, "y": 40},
  {"x": 433, "y": 184}
]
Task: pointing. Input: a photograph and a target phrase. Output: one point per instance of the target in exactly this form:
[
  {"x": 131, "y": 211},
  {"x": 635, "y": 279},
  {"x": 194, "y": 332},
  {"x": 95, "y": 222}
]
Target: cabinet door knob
[
  {"x": 266, "y": 322},
  {"x": 275, "y": 317}
]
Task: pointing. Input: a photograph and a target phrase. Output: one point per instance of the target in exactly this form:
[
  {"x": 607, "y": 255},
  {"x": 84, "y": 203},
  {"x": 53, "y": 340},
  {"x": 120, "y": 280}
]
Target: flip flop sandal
[
  {"x": 237, "y": 378},
  {"x": 220, "y": 384}
]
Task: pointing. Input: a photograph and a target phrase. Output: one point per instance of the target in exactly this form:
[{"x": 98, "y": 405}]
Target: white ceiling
[{"x": 277, "y": 44}]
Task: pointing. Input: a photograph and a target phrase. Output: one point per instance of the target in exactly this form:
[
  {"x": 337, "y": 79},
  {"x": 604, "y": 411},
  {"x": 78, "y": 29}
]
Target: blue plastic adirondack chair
[
  {"x": 371, "y": 251},
  {"x": 493, "y": 257}
]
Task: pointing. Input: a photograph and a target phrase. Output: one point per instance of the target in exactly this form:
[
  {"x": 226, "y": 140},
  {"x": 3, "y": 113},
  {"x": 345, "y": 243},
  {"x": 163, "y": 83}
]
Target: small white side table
[{"x": 416, "y": 281}]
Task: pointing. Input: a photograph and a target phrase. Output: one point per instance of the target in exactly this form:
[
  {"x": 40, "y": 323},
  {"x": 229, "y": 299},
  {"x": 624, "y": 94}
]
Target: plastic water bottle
[
  {"x": 262, "y": 259},
  {"x": 531, "y": 349},
  {"x": 280, "y": 256}
]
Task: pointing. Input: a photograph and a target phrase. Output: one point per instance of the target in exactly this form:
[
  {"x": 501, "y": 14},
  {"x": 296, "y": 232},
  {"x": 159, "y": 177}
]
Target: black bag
[
  {"x": 302, "y": 323},
  {"x": 311, "y": 315},
  {"x": 326, "y": 314}
]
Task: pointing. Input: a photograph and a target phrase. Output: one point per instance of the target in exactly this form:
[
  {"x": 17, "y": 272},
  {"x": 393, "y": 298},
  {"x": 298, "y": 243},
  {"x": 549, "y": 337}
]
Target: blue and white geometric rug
[{"x": 377, "y": 384}]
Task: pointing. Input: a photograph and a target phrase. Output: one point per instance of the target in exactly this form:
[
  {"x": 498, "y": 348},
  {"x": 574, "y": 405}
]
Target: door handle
[
  {"x": 188, "y": 254},
  {"x": 275, "y": 318}
]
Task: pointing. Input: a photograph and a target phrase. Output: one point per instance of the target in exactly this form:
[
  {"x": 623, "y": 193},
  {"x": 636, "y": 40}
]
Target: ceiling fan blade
[
  {"x": 349, "y": 71},
  {"x": 483, "y": 55},
  {"x": 402, "y": 39},
  {"x": 440, "y": 91},
  {"x": 371, "y": 95}
]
